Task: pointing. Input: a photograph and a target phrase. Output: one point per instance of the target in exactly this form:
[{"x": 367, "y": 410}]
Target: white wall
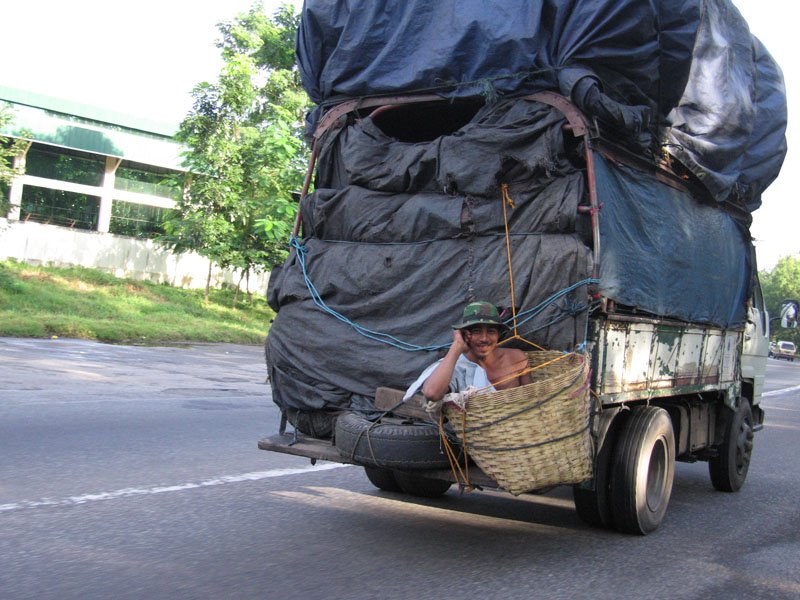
[{"x": 38, "y": 244}]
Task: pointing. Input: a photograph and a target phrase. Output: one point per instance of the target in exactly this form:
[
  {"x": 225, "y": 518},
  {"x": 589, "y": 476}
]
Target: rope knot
[
  {"x": 299, "y": 248},
  {"x": 506, "y": 196},
  {"x": 459, "y": 399}
]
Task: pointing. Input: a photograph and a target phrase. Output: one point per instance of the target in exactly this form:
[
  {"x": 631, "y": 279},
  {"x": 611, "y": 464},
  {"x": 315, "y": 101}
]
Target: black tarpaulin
[
  {"x": 511, "y": 141},
  {"x": 393, "y": 249},
  {"x": 388, "y": 260},
  {"x": 414, "y": 293},
  {"x": 684, "y": 76}
]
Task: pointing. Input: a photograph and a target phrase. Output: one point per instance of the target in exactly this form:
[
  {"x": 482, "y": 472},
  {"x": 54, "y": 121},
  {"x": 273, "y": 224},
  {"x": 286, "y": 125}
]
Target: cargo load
[{"x": 405, "y": 224}]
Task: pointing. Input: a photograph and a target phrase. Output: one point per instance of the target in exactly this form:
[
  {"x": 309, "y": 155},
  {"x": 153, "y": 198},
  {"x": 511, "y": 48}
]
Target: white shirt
[{"x": 465, "y": 374}]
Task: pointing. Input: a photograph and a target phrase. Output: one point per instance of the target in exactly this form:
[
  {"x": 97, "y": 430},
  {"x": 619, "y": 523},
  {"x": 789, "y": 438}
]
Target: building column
[
  {"x": 15, "y": 189},
  {"x": 107, "y": 195}
]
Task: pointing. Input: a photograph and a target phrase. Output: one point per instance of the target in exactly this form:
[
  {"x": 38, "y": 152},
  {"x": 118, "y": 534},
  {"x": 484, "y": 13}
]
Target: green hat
[{"x": 481, "y": 313}]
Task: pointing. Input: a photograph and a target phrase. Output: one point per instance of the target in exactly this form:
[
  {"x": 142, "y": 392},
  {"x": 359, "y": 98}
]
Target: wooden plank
[
  {"x": 317, "y": 449},
  {"x": 392, "y": 399},
  {"x": 304, "y": 446}
]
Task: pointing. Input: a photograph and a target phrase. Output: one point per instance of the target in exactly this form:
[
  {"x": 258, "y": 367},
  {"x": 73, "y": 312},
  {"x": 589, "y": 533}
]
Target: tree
[
  {"x": 782, "y": 283},
  {"x": 245, "y": 148}
]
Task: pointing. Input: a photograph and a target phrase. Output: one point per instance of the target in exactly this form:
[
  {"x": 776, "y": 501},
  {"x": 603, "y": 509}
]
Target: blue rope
[
  {"x": 384, "y": 338},
  {"x": 536, "y": 310},
  {"x": 391, "y": 340}
]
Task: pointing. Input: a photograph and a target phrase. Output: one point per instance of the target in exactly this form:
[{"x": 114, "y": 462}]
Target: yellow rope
[
  {"x": 455, "y": 468},
  {"x": 525, "y": 372},
  {"x": 451, "y": 456},
  {"x": 508, "y": 201},
  {"x": 522, "y": 339}
]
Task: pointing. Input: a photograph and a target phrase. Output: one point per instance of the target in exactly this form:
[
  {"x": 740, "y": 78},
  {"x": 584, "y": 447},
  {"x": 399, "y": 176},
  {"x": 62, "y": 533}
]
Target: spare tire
[
  {"x": 391, "y": 444},
  {"x": 315, "y": 423}
]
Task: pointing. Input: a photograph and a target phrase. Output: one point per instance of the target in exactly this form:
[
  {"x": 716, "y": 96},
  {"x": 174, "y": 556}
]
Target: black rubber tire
[
  {"x": 594, "y": 506},
  {"x": 643, "y": 468},
  {"x": 423, "y": 487},
  {"x": 314, "y": 423},
  {"x": 390, "y": 445},
  {"x": 729, "y": 468},
  {"x": 383, "y": 479}
]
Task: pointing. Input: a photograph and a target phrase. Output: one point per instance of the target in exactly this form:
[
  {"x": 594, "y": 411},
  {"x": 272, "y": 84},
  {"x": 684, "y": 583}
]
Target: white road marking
[
  {"x": 783, "y": 391},
  {"x": 128, "y": 492}
]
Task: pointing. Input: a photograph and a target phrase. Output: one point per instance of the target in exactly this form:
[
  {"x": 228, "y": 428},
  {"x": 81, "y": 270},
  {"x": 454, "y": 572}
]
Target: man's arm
[{"x": 438, "y": 384}]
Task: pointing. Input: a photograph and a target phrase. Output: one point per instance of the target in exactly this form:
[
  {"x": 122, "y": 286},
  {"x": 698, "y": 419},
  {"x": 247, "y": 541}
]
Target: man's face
[{"x": 481, "y": 339}]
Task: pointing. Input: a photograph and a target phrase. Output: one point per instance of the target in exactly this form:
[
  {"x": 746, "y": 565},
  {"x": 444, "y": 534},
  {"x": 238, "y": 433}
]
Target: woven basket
[{"x": 536, "y": 435}]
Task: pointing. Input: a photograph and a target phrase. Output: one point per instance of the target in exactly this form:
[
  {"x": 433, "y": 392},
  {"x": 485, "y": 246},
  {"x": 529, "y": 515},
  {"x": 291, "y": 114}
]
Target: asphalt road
[{"x": 133, "y": 472}]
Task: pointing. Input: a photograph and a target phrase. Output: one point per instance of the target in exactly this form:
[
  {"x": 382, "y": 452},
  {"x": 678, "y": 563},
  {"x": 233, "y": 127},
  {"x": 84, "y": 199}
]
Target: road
[{"x": 133, "y": 472}]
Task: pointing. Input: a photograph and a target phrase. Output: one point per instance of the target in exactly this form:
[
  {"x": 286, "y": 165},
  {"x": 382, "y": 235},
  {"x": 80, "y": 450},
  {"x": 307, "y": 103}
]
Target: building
[{"x": 95, "y": 189}]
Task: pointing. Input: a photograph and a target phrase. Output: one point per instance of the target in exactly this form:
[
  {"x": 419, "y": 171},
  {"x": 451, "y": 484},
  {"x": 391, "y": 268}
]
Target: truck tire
[
  {"x": 423, "y": 487},
  {"x": 390, "y": 445},
  {"x": 315, "y": 423},
  {"x": 594, "y": 506},
  {"x": 729, "y": 468},
  {"x": 383, "y": 479},
  {"x": 642, "y": 471}
]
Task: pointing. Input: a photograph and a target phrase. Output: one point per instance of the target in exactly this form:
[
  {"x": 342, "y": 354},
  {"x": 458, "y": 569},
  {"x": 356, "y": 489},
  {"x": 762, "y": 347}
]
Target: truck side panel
[{"x": 640, "y": 359}]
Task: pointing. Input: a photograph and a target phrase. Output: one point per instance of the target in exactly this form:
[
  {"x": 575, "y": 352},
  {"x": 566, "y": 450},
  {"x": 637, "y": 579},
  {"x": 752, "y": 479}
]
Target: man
[{"x": 474, "y": 358}]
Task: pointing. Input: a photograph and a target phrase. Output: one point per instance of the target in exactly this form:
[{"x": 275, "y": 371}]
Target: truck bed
[{"x": 316, "y": 449}]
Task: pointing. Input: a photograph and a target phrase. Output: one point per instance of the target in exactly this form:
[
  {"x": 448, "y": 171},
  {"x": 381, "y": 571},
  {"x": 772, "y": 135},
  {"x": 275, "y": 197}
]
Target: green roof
[{"x": 80, "y": 127}]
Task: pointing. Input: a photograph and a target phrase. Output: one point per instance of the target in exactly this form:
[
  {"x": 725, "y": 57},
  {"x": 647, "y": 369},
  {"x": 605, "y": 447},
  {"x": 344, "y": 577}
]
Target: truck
[{"x": 590, "y": 205}]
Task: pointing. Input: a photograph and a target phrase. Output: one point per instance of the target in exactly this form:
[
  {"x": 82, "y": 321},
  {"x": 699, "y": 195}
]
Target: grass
[{"x": 91, "y": 304}]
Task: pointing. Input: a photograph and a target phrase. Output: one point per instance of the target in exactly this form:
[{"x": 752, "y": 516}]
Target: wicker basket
[{"x": 536, "y": 435}]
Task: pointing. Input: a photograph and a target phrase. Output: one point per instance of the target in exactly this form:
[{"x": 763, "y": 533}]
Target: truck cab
[{"x": 755, "y": 346}]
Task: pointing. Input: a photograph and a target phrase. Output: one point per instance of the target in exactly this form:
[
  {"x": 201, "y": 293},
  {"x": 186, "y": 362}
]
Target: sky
[{"x": 143, "y": 58}]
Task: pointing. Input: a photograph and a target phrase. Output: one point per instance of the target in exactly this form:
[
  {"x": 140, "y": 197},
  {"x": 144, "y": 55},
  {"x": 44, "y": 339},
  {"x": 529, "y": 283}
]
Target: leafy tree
[
  {"x": 782, "y": 283},
  {"x": 245, "y": 148}
]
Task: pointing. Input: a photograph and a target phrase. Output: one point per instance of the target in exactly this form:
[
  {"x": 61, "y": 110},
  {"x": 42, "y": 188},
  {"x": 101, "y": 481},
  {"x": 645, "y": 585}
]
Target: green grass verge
[{"x": 91, "y": 304}]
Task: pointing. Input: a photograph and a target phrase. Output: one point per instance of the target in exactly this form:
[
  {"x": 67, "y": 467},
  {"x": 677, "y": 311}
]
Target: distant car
[
  {"x": 772, "y": 347},
  {"x": 785, "y": 350}
]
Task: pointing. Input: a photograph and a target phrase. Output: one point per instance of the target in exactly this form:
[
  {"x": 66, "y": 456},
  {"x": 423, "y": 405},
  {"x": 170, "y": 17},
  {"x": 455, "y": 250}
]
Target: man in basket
[{"x": 474, "y": 359}]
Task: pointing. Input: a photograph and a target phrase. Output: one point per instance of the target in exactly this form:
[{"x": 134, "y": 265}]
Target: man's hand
[
  {"x": 459, "y": 343},
  {"x": 437, "y": 384}
]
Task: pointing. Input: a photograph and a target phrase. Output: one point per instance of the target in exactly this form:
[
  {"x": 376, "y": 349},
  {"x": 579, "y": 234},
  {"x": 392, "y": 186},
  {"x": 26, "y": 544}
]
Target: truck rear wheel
[
  {"x": 729, "y": 468},
  {"x": 383, "y": 479},
  {"x": 417, "y": 485},
  {"x": 642, "y": 471}
]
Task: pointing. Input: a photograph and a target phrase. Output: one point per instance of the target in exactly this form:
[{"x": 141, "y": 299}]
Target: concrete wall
[{"x": 38, "y": 244}]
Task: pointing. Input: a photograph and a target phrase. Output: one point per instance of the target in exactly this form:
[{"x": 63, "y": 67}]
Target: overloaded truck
[{"x": 590, "y": 168}]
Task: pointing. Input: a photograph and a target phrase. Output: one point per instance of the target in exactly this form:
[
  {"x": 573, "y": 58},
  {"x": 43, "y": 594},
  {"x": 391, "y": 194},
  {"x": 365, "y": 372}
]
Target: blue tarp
[
  {"x": 664, "y": 253},
  {"x": 684, "y": 76}
]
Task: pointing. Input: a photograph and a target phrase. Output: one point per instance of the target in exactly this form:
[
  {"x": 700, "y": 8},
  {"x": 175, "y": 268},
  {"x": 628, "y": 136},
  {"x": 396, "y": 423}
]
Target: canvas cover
[
  {"x": 399, "y": 236},
  {"x": 397, "y": 246},
  {"x": 685, "y": 76},
  {"x": 405, "y": 226},
  {"x": 667, "y": 254}
]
